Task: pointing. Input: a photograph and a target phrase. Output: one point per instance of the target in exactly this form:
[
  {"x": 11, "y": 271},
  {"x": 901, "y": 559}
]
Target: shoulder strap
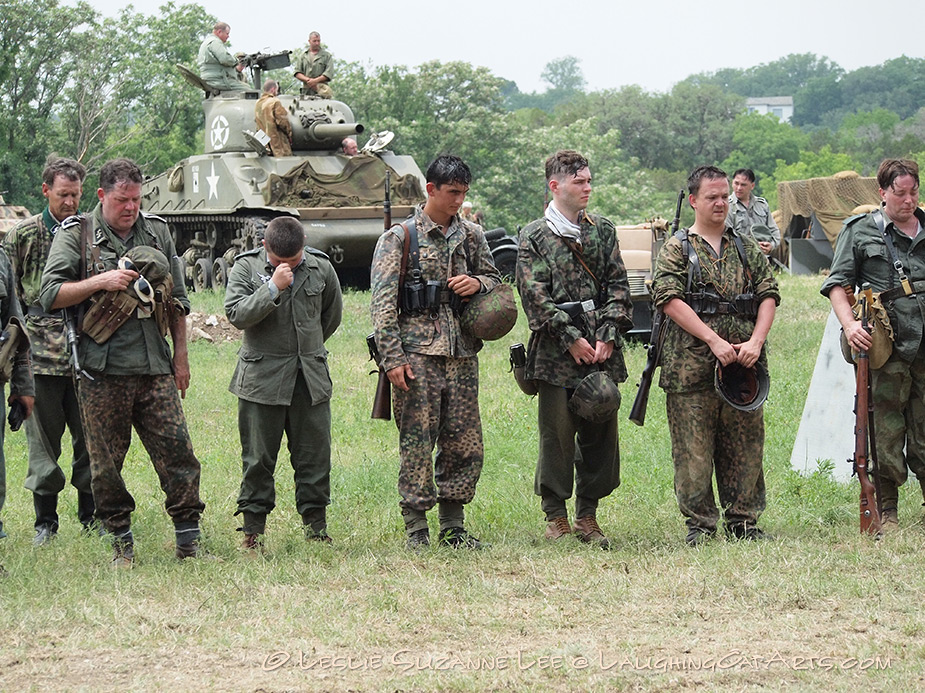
[
  {"x": 693, "y": 265},
  {"x": 877, "y": 216},
  {"x": 410, "y": 248},
  {"x": 740, "y": 249}
]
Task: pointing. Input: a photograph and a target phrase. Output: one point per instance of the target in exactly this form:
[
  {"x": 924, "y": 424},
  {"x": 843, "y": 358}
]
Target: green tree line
[{"x": 78, "y": 84}]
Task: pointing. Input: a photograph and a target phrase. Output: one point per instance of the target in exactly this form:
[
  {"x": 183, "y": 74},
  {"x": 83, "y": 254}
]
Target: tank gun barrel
[{"x": 331, "y": 131}]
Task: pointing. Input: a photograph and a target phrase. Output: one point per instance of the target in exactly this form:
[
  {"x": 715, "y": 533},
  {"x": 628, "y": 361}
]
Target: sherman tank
[{"x": 218, "y": 203}]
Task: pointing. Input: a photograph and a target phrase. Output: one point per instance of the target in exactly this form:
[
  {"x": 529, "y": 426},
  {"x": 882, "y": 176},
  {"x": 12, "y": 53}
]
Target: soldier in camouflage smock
[
  {"x": 431, "y": 363},
  {"x": 56, "y": 395},
  {"x": 707, "y": 433},
  {"x": 568, "y": 256},
  {"x": 898, "y": 387},
  {"x": 135, "y": 380}
]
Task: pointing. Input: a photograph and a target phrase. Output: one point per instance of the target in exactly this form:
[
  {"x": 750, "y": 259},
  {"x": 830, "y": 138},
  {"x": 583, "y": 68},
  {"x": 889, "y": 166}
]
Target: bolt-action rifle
[
  {"x": 654, "y": 347},
  {"x": 382, "y": 401},
  {"x": 387, "y": 203},
  {"x": 863, "y": 432}
]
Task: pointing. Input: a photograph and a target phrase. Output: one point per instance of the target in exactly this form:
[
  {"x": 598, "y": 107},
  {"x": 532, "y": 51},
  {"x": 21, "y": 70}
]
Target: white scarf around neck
[{"x": 562, "y": 227}]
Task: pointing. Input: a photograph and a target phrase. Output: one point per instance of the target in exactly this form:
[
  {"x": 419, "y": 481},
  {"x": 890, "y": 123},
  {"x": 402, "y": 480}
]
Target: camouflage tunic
[
  {"x": 687, "y": 363},
  {"x": 742, "y": 218},
  {"x": 707, "y": 435},
  {"x": 899, "y": 385},
  {"x": 441, "y": 407},
  {"x": 549, "y": 274},
  {"x": 573, "y": 452},
  {"x": 56, "y": 404},
  {"x": 27, "y": 246}
]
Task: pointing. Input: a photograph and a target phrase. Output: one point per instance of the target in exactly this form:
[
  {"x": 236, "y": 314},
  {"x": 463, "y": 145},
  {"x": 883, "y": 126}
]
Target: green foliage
[
  {"x": 761, "y": 143},
  {"x": 564, "y": 74},
  {"x": 783, "y": 77}
]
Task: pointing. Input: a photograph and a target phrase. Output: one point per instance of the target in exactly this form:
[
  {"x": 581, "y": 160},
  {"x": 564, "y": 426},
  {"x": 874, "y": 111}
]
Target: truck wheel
[
  {"x": 202, "y": 276},
  {"x": 220, "y": 273},
  {"x": 505, "y": 260}
]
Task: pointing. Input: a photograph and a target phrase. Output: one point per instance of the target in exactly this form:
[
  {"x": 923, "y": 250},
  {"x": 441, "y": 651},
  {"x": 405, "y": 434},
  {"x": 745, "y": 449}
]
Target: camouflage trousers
[
  {"x": 898, "y": 391},
  {"x": 2, "y": 457},
  {"x": 441, "y": 409},
  {"x": 573, "y": 450},
  {"x": 56, "y": 406},
  {"x": 308, "y": 436},
  {"x": 111, "y": 406},
  {"x": 708, "y": 435}
]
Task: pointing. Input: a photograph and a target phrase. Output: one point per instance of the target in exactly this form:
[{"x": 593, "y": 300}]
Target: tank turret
[{"x": 217, "y": 203}]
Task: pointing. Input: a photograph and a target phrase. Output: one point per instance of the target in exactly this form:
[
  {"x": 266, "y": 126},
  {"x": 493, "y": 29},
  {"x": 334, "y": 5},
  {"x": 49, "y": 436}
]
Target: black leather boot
[{"x": 46, "y": 518}]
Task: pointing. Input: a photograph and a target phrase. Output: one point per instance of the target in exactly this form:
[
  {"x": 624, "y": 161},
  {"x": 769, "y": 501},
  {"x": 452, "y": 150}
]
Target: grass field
[{"x": 819, "y": 608}]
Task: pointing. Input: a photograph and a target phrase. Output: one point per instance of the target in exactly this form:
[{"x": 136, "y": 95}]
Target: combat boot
[
  {"x": 557, "y": 527},
  {"x": 86, "y": 512},
  {"x": 889, "y": 506},
  {"x": 46, "y": 518},
  {"x": 588, "y": 531},
  {"x": 315, "y": 525},
  {"x": 252, "y": 545},
  {"x": 123, "y": 555}
]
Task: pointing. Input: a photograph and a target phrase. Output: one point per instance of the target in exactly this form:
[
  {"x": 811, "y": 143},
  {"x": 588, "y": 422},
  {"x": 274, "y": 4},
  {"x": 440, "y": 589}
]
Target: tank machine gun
[{"x": 218, "y": 203}]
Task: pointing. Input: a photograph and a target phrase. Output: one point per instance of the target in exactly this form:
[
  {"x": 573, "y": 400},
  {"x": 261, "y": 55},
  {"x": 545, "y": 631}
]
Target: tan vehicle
[
  {"x": 638, "y": 246},
  {"x": 10, "y": 215}
]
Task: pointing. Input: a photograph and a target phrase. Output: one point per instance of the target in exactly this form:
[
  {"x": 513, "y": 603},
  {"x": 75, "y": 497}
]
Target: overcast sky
[{"x": 654, "y": 44}]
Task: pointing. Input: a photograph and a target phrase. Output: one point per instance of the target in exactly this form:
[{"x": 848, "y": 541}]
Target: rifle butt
[
  {"x": 382, "y": 400},
  {"x": 641, "y": 403}
]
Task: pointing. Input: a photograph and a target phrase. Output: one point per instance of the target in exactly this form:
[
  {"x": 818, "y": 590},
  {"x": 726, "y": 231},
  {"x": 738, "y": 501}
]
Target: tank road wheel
[
  {"x": 220, "y": 273},
  {"x": 202, "y": 276}
]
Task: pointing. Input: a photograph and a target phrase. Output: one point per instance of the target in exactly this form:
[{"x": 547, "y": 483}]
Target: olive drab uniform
[
  {"x": 133, "y": 383},
  {"x": 273, "y": 119},
  {"x": 898, "y": 387},
  {"x": 441, "y": 407},
  {"x": 217, "y": 66},
  {"x": 743, "y": 218},
  {"x": 314, "y": 65},
  {"x": 283, "y": 382},
  {"x": 56, "y": 405},
  {"x": 549, "y": 274},
  {"x": 707, "y": 433},
  {"x": 21, "y": 377}
]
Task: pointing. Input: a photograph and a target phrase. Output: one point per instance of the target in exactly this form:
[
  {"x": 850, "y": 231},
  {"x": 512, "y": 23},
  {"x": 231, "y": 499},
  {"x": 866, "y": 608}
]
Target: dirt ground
[{"x": 211, "y": 327}]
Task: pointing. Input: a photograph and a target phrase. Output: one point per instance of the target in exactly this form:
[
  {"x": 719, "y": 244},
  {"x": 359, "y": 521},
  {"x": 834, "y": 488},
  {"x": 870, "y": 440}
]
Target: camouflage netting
[
  {"x": 360, "y": 183},
  {"x": 832, "y": 199}
]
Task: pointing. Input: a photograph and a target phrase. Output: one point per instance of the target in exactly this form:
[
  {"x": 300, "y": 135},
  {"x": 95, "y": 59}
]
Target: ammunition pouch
[
  {"x": 14, "y": 340},
  {"x": 419, "y": 296},
  {"x": 518, "y": 367},
  {"x": 108, "y": 311},
  {"x": 708, "y": 302}
]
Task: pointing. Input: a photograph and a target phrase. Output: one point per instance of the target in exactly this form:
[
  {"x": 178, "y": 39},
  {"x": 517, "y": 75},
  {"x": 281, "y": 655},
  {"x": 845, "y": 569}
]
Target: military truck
[{"x": 218, "y": 203}]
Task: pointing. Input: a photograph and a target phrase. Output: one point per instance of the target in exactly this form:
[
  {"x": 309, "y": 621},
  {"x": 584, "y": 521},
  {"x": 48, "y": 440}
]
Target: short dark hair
[
  {"x": 747, "y": 172},
  {"x": 891, "y": 169},
  {"x": 564, "y": 162},
  {"x": 284, "y": 237},
  {"x": 118, "y": 172},
  {"x": 270, "y": 84},
  {"x": 66, "y": 168},
  {"x": 447, "y": 168},
  {"x": 703, "y": 172}
]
